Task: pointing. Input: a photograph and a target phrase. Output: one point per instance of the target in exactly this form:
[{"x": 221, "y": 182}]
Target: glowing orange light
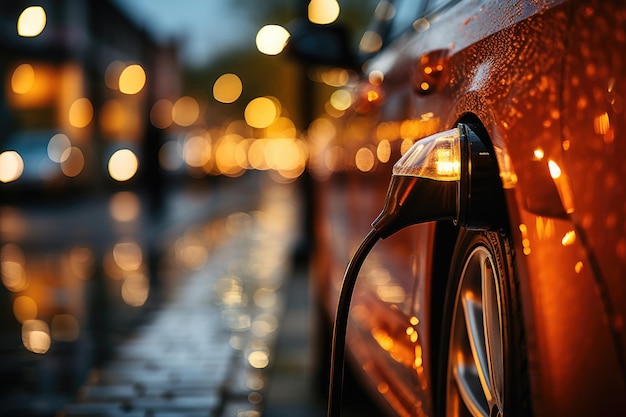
[
  {"x": 261, "y": 112},
  {"x": 80, "y": 113},
  {"x": 569, "y": 238},
  {"x": 227, "y": 88},
  {"x": 341, "y": 100},
  {"x": 601, "y": 124},
  {"x": 336, "y": 77},
  {"x": 365, "y": 160},
  {"x": 383, "y": 151},
  {"x": 23, "y": 79},
  {"x": 132, "y": 79},
  {"x": 186, "y": 111},
  {"x": 323, "y": 12},
  {"x": 24, "y": 308},
  {"x": 372, "y": 95},
  {"x": 578, "y": 267},
  {"x": 383, "y": 388}
]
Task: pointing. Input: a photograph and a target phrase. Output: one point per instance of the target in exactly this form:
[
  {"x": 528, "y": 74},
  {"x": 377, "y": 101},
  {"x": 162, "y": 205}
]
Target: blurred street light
[
  {"x": 31, "y": 22},
  {"x": 132, "y": 79},
  {"x": 227, "y": 88},
  {"x": 11, "y": 166},
  {"x": 271, "y": 39},
  {"x": 323, "y": 12},
  {"x": 261, "y": 112},
  {"x": 186, "y": 111},
  {"x": 123, "y": 165}
]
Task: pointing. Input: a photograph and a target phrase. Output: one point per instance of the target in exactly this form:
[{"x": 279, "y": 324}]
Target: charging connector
[{"x": 446, "y": 176}]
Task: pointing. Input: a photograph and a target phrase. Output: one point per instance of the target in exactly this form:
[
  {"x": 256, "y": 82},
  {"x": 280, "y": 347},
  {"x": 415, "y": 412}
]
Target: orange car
[{"x": 514, "y": 301}]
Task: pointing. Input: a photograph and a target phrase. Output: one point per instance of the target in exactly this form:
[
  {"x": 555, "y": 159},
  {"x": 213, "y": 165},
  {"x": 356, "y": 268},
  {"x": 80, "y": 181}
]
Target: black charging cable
[
  {"x": 416, "y": 195},
  {"x": 337, "y": 356}
]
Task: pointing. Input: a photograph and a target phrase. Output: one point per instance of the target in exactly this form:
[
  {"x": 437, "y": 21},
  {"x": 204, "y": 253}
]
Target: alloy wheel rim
[{"x": 475, "y": 376}]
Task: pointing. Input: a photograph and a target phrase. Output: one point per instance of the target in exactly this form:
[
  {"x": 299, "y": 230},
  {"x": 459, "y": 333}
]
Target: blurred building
[{"x": 91, "y": 75}]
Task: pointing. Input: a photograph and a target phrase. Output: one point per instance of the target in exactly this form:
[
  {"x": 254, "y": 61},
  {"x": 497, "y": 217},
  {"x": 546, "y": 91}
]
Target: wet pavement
[
  {"x": 208, "y": 348},
  {"x": 226, "y": 332}
]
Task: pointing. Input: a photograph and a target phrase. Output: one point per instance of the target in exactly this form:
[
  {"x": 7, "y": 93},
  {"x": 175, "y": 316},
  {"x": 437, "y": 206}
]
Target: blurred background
[{"x": 123, "y": 123}]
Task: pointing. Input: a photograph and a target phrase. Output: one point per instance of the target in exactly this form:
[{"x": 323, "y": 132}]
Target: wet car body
[{"x": 544, "y": 83}]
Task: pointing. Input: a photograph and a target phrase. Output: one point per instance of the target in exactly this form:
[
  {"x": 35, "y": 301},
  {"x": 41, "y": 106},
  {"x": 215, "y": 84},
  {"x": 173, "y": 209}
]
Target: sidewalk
[{"x": 206, "y": 350}]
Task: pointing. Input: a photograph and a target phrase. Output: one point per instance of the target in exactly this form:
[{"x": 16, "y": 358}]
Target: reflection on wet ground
[{"x": 80, "y": 279}]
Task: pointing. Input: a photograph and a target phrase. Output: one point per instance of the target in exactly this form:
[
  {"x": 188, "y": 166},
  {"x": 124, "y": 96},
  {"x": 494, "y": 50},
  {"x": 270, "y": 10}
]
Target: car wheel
[{"x": 485, "y": 362}]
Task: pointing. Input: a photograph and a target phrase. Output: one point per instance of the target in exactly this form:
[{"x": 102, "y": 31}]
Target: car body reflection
[{"x": 543, "y": 87}]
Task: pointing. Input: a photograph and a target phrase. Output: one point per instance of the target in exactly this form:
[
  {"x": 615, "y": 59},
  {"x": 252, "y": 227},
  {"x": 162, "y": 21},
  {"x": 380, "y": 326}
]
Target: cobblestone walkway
[{"x": 206, "y": 351}]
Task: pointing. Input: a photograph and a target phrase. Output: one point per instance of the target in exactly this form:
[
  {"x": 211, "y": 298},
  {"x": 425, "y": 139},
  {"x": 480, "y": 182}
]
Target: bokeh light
[
  {"x": 272, "y": 39},
  {"x": 258, "y": 359},
  {"x": 191, "y": 252},
  {"x": 36, "y": 336},
  {"x": 11, "y": 166},
  {"x": 31, "y": 21},
  {"x": 161, "y": 114},
  {"x": 227, "y": 88},
  {"x": 124, "y": 206},
  {"x": 323, "y": 12},
  {"x": 186, "y": 111},
  {"x": 226, "y": 155},
  {"x": 364, "y": 159},
  {"x": 73, "y": 161},
  {"x": 197, "y": 151},
  {"x": 132, "y": 79},
  {"x": 23, "y": 79},
  {"x": 261, "y": 112},
  {"x": 123, "y": 165},
  {"x": 24, "y": 308},
  {"x": 81, "y": 113},
  {"x": 127, "y": 254},
  {"x": 135, "y": 290},
  {"x": 341, "y": 100},
  {"x": 383, "y": 151},
  {"x": 57, "y": 146},
  {"x": 12, "y": 268}
]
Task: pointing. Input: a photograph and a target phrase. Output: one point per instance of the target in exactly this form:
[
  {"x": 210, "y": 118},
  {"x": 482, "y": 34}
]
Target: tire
[{"x": 484, "y": 367}]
